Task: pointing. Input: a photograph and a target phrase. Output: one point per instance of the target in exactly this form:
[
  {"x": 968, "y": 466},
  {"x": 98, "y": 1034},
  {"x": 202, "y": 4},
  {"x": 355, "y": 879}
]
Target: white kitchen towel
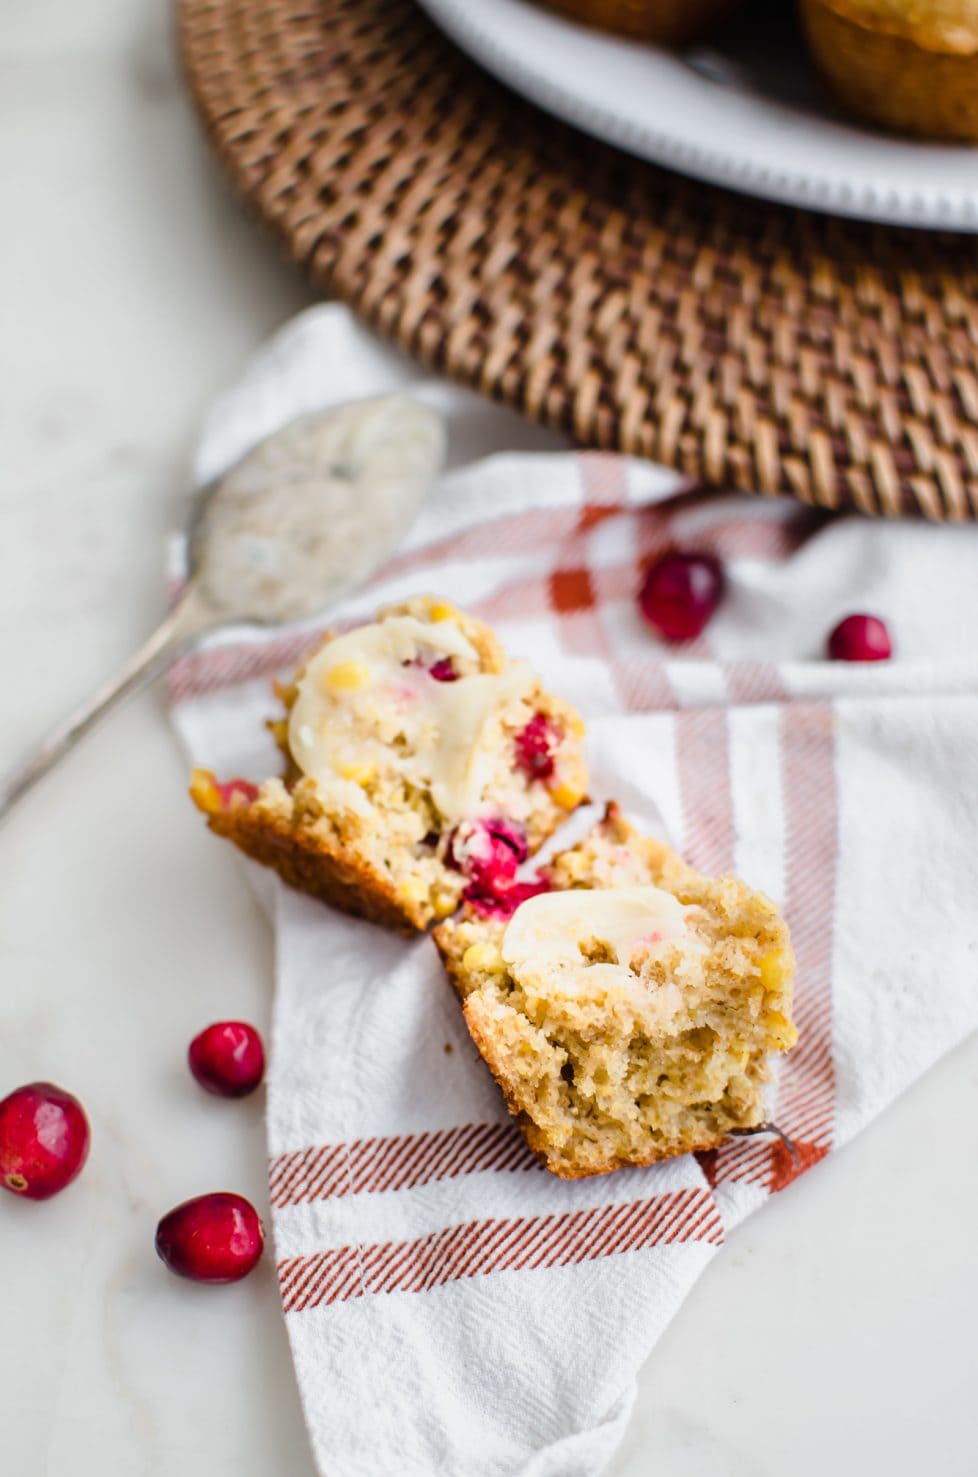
[{"x": 453, "y": 1309}]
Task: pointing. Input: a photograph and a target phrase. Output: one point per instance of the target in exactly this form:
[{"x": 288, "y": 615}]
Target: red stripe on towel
[
  {"x": 401, "y": 1162},
  {"x": 478, "y": 1248},
  {"x": 703, "y": 768},
  {"x": 805, "y": 1107}
]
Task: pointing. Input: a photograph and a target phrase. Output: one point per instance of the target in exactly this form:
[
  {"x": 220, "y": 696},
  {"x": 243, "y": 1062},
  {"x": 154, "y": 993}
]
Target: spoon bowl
[
  {"x": 309, "y": 513},
  {"x": 302, "y": 519}
]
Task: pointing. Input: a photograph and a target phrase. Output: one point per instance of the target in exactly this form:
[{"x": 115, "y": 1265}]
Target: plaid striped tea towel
[{"x": 452, "y": 1308}]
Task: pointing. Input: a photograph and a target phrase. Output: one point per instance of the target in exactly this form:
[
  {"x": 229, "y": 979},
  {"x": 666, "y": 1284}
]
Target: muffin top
[{"x": 945, "y": 25}]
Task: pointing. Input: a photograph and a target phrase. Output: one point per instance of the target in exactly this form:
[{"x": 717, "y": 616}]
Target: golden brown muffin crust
[
  {"x": 392, "y": 857},
  {"x": 937, "y": 25},
  {"x": 908, "y": 65},
  {"x": 599, "y": 1077}
]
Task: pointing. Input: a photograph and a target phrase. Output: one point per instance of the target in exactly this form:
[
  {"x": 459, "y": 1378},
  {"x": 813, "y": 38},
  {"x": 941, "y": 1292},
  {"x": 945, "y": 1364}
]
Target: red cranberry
[
  {"x": 214, "y": 1238},
  {"x": 860, "y": 638},
  {"x": 488, "y": 852},
  {"x": 512, "y": 835},
  {"x": 44, "y": 1139},
  {"x": 505, "y": 900},
  {"x": 679, "y": 594},
  {"x": 536, "y": 745},
  {"x": 443, "y": 670},
  {"x": 237, "y": 791},
  {"x": 228, "y": 1058}
]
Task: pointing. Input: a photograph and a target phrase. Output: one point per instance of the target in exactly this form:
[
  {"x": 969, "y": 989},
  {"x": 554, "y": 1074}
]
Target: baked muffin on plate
[
  {"x": 670, "y": 22},
  {"x": 629, "y": 1014},
  {"x": 911, "y": 65},
  {"x": 421, "y": 764}
]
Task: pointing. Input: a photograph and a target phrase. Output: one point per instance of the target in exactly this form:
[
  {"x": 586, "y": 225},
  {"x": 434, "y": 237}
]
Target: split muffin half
[
  {"x": 422, "y": 766},
  {"x": 630, "y": 1012}
]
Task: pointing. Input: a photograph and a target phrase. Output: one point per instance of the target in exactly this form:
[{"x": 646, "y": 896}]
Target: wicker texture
[{"x": 754, "y": 347}]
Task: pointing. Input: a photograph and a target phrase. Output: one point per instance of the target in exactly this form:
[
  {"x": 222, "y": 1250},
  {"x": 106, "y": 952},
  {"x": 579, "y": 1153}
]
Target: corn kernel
[
  {"x": 445, "y": 904},
  {"x": 413, "y": 891},
  {"x": 566, "y": 796},
  {"x": 204, "y": 791},
  {"x": 772, "y": 969},
  {"x": 783, "y": 1031},
  {"x": 483, "y": 956},
  {"x": 346, "y": 677},
  {"x": 440, "y": 610},
  {"x": 360, "y": 774},
  {"x": 576, "y": 725}
]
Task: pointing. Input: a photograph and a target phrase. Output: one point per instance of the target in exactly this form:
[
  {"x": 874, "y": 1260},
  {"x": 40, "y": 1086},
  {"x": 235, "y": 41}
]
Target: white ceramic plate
[{"x": 746, "y": 112}]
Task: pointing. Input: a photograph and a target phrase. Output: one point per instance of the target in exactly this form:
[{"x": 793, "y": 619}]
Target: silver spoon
[{"x": 306, "y": 516}]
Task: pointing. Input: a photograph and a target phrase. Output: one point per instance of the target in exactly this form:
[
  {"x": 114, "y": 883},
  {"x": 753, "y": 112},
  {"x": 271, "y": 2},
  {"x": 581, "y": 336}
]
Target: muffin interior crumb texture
[
  {"x": 422, "y": 764},
  {"x": 630, "y": 1014}
]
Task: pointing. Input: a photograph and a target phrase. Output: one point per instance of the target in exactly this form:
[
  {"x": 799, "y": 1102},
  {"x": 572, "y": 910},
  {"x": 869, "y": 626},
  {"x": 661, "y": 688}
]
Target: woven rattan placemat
[{"x": 752, "y": 346}]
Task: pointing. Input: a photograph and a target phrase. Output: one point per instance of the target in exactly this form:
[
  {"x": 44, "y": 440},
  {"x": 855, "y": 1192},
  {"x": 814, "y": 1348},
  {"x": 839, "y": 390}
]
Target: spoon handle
[{"x": 174, "y": 633}]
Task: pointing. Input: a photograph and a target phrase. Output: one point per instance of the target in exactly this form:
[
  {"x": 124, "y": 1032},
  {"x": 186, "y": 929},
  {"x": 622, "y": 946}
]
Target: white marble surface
[{"x": 836, "y": 1331}]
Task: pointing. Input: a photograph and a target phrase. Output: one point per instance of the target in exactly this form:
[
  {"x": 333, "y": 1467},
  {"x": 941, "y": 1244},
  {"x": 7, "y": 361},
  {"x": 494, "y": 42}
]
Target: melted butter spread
[
  {"x": 585, "y": 938},
  {"x": 367, "y": 702}
]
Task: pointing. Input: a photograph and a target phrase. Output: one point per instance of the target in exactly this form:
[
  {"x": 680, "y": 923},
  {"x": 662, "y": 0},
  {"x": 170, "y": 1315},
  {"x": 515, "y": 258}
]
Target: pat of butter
[
  {"x": 390, "y": 642},
  {"x": 399, "y": 718},
  {"x": 551, "y": 936}
]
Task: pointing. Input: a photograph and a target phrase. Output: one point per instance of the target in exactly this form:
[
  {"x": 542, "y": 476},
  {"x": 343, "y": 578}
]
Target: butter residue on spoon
[
  {"x": 303, "y": 518},
  {"x": 309, "y": 512}
]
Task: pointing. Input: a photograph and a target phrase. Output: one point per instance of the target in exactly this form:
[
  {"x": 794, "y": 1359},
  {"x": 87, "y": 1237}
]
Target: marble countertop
[{"x": 835, "y": 1331}]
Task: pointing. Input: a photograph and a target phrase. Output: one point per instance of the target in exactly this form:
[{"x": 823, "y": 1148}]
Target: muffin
[
  {"x": 630, "y": 1012},
  {"x": 422, "y": 765},
  {"x": 910, "y": 65},
  {"x": 670, "y": 22}
]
